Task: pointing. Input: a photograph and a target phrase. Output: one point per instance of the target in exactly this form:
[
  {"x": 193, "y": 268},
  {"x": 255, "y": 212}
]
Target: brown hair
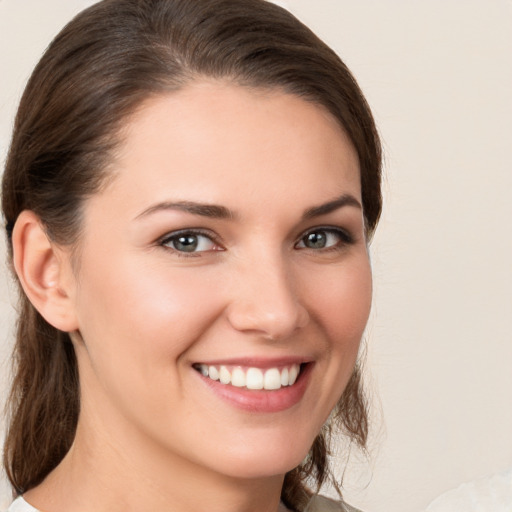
[{"x": 96, "y": 72}]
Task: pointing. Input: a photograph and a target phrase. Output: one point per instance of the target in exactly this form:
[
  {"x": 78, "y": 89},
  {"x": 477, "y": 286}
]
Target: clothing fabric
[
  {"x": 490, "y": 494},
  {"x": 20, "y": 505},
  {"x": 317, "y": 504},
  {"x": 323, "y": 504}
]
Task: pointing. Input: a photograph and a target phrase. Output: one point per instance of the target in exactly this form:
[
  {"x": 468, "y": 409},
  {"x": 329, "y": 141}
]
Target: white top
[
  {"x": 20, "y": 505},
  {"x": 492, "y": 494},
  {"x": 317, "y": 504}
]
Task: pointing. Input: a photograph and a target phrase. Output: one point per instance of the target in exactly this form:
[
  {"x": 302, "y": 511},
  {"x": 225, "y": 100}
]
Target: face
[{"x": 227, "y": 255}]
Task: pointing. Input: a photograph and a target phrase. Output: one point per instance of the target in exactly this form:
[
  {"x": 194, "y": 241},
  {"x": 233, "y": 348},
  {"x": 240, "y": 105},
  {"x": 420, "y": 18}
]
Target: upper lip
[{"x": 257, "y": 362}]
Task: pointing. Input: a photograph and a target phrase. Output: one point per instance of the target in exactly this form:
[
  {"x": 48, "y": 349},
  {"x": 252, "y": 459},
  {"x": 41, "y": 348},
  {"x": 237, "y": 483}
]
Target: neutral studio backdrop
[{"x": 438, "y": 75}]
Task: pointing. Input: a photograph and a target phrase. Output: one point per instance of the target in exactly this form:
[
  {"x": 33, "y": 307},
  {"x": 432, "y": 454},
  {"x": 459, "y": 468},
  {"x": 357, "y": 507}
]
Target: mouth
[
  {"x": 257, "y": 386},
  {"x": 252, "y": 378}
]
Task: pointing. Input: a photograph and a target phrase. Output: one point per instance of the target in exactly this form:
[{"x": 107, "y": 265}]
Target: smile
[{"x": 250, "y": 377}]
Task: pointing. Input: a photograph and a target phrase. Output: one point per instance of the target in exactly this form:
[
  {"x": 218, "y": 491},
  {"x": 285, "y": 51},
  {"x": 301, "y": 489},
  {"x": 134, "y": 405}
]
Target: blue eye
[
  {"x": 324, "y": 238},
  {"x": 189, "y": 242}
]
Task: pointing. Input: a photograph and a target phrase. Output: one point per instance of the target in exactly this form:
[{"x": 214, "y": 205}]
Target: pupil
[
  {"x": 316, "y": 240},
  {"x": 186, "y": 243}
]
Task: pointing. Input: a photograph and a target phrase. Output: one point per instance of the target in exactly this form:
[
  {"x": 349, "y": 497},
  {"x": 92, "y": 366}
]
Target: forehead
[{"x": 216, "y": 139}]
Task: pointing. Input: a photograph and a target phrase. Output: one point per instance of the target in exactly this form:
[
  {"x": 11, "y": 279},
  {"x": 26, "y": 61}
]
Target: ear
[{"x": 45, "y": 272}]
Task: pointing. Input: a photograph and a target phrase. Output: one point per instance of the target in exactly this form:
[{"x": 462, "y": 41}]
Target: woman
[{"x": 189, "y": 196}]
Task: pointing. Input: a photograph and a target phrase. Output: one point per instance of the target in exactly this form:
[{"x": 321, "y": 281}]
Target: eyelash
[{"x": 345, "y": 239}]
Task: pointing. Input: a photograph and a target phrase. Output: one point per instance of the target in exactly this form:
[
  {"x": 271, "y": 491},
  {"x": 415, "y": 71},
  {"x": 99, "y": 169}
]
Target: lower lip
[{"x": 265, "y": 401}]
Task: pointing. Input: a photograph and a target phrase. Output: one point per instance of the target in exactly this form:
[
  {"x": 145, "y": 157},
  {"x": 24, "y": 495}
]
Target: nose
[{"x": 265, "y": 301}]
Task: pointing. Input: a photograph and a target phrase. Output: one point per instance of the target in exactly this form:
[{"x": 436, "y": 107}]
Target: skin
[{"x": 151, "y": 434}]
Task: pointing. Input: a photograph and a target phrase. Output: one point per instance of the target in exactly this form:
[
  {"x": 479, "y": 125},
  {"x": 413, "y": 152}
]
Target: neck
[{"x": 118, "y": 471}]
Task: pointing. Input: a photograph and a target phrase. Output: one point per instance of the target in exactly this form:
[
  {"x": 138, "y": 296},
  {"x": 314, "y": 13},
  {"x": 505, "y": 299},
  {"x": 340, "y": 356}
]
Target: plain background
[{"x": 438, "y": 76}]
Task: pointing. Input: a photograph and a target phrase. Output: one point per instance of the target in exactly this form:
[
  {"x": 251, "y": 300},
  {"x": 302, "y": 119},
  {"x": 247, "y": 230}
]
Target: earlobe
[{"x": 44, "y": 271}]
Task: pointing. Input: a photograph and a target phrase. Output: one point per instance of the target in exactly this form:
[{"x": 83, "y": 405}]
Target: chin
[{"x": 263, "y": 463}]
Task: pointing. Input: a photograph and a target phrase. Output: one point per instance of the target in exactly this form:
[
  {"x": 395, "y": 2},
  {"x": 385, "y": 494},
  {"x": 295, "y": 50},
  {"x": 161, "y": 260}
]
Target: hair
[{"x": 98, "y": 70}]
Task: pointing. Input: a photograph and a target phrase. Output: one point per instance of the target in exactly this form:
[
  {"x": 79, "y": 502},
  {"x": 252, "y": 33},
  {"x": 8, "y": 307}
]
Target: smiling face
[{"x": 226, "y": 256}]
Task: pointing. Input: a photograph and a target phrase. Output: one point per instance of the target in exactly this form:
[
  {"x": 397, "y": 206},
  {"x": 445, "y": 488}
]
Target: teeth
[
  {"x": 284, "y": 377},
  {"x": 224, "y": 375},
  {"x": 272, "y": 379},
  {"x": 292, "y": 376},
  {"x": 252, "y": 378},
  {"x": 238, "y": 378},
  {"x": 213, "y": 373}
]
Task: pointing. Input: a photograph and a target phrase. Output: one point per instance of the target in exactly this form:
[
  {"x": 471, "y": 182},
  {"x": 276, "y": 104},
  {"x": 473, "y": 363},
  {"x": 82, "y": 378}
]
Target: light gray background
[{"x": 438, "y": 75}]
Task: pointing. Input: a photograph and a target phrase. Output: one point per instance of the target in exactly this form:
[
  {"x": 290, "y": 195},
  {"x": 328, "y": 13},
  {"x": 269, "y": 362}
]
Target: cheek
[
  {"x": 137, "y": 322},
  {"x": 341, "y": 302},
  {"x": 143, "y": 317}
]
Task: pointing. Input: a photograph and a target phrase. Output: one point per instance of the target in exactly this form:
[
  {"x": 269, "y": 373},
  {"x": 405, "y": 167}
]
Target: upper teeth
[{"x": 252, "y": 378}]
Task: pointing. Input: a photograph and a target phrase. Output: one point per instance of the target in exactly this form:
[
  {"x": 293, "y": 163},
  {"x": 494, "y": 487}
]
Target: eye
[
  {"x": 324, "y": 238},
  {"x": 190, "y": 242}
]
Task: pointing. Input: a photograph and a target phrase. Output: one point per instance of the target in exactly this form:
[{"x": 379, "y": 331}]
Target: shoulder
[
  {"x": 323, "y": 504},
  {"x": 20, "y": 505}
]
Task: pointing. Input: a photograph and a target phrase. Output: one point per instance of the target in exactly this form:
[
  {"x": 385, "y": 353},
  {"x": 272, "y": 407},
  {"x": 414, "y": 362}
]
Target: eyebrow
[
  {"x": 214, "y": 211},
  {"x": 331, "y": 206},
  {"x": 204, "y": 210}
]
